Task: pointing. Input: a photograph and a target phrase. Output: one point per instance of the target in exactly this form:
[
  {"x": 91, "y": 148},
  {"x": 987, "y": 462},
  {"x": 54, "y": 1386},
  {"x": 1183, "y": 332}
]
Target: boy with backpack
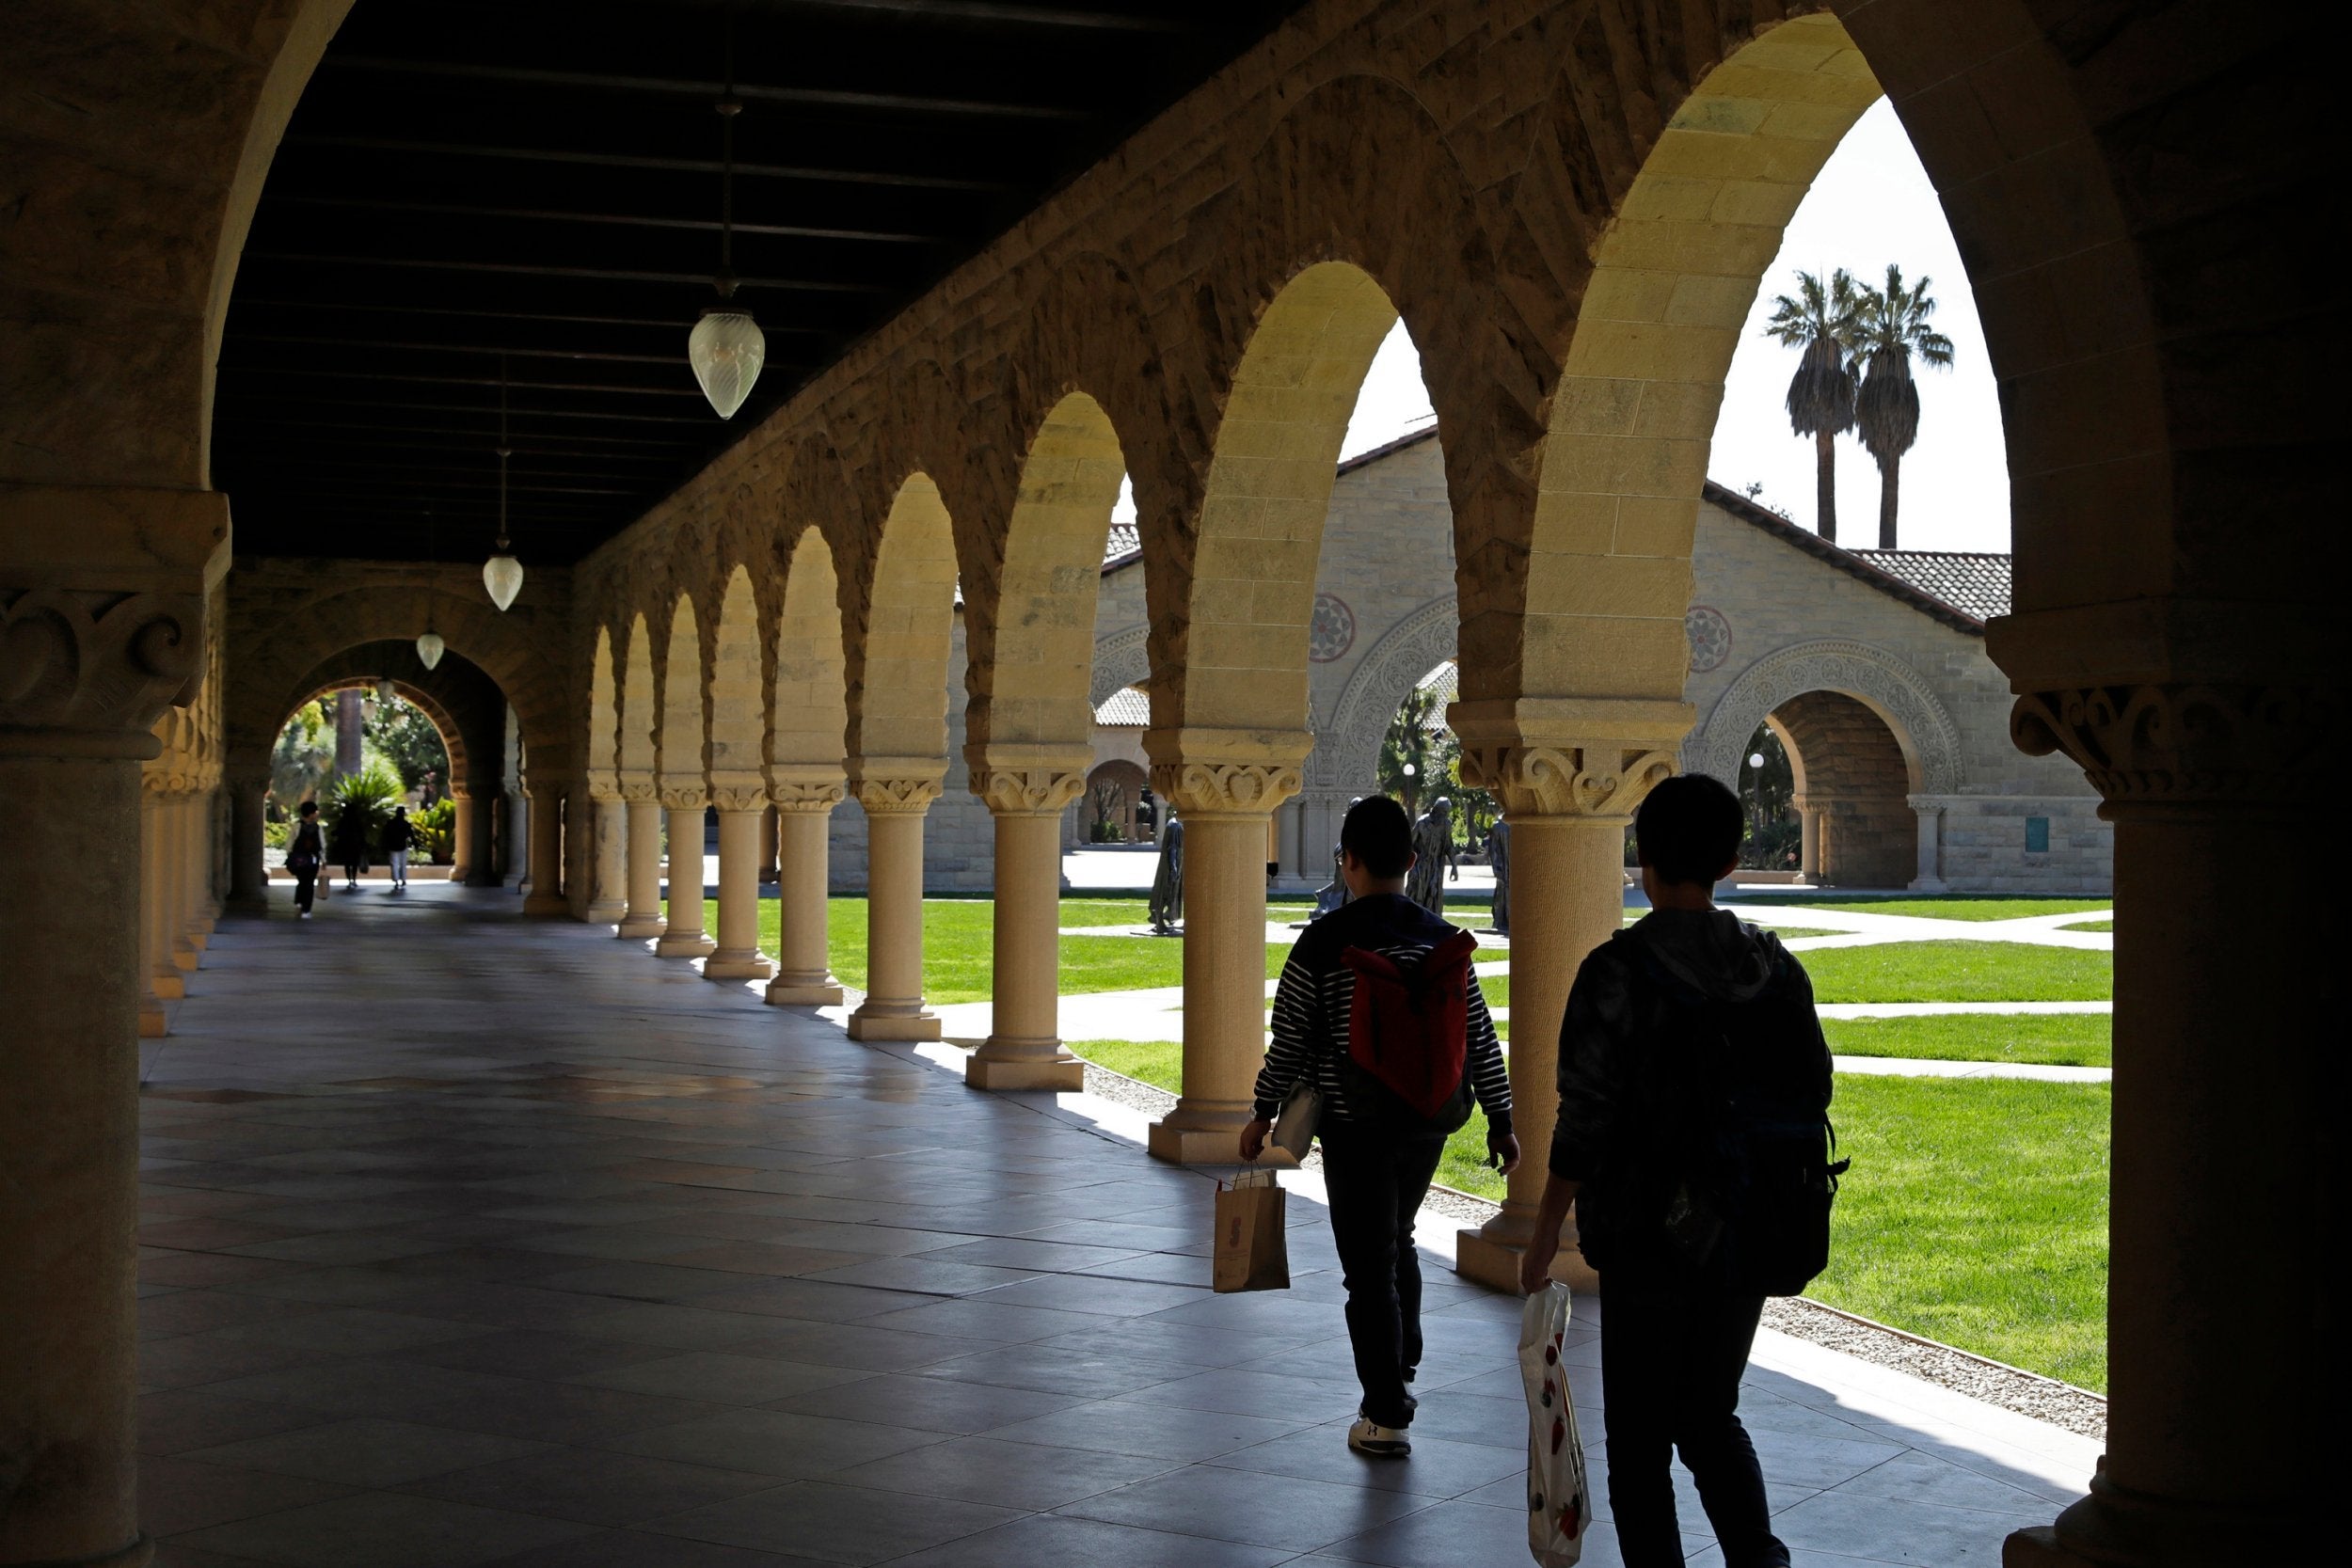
[
  {"x": 1693, "y": 1140},
  {"x": 1378, "y": 1012}
]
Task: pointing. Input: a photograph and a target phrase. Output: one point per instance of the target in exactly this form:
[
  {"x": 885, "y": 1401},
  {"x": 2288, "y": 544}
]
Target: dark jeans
[
  {"x": 306, "y": 889},
  {"x": 1671, "y": 1359},
  {"x": 1377, "y": 1183}
]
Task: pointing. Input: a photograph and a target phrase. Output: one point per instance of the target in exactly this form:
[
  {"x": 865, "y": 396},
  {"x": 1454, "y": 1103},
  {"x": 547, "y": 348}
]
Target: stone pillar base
[
  {"x": 866, "y": 1026},
  {"x": 783, "y": 992},
  {"x": 695, "y": 946},
  {"x": 545, "y": 905},
  {"x": 186, "y": 959},
  {"x": 607, "y": 911},
  {"x": 639, "y": 928},
  {"x": 1495, "y": 1263},
  {"x": 154, "y": 1025},
  {"x": 2114, "y": 1526},
  {"x": 1003, "y": 1064},
  {"x": 168, "y": 985},
  {"x": 726, "y": 967},
  {"x": 1927, "y": 884},
  {"x": 138, "y": 1554},
  {"x": 1194, "y": 1146}
]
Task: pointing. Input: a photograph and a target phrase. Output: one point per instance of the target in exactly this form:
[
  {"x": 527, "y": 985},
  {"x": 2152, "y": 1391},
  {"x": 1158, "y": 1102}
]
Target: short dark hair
[
  {"x": 1689, "y": 829},
  {"x": 1375, "y": 831},
  {"x": 309, "y": 808}
]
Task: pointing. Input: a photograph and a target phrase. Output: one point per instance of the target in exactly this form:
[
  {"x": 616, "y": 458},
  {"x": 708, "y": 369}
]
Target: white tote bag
[{"x": 1558, "y": 1505}]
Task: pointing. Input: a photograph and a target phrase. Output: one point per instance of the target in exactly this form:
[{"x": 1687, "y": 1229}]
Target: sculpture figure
[
  {"x": 1168, "y": 882},
  {"x": 1333, "y": 894},
  {"x": 1432, "y": 842},
  {"x": 1498, "y": 857}
]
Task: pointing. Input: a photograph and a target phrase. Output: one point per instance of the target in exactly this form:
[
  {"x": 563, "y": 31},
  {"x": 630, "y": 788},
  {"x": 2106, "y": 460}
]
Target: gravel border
[{"x": 1994, "y": 1383}]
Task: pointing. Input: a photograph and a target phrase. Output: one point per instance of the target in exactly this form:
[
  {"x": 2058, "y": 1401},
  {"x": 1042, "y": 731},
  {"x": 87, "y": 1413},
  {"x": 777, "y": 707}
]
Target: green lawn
[
  {"x": 2050, "y": 1039},
  {"x": 959, "y": 943},
  {"x": 1976, "y": 1214},
  {"x": 1956, "y": 907},
  {"x": 2088, "y": 925},
  {"x": 1960, "y": 972}
]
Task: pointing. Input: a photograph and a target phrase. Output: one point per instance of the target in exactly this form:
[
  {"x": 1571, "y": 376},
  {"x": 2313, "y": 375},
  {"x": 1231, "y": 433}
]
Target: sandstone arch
[
  {"x": 1918, "y": 719},
  {"x": 1121, "y": 658},
  {"x": 739, "y": 727},
  {"x": 603, "y": 756},
  {"x": 896, "y": 665},
  {"x": 808, "y": 711},
  {"x": 1347, "y": 747},
  {"x": 681, "y": 731},
  {"x": 637, "y": 753}
]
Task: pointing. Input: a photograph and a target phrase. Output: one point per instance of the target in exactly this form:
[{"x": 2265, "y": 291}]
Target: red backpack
[{"x": 1408, "y": 1031}]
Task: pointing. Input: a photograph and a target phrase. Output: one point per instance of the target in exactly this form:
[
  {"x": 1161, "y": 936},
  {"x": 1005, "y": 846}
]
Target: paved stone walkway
[{"x": 470, "y": 1241}]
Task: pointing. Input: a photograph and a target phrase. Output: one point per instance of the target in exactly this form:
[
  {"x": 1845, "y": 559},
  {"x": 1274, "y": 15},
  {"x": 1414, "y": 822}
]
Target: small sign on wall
[{"x": 2037, "y": 835}]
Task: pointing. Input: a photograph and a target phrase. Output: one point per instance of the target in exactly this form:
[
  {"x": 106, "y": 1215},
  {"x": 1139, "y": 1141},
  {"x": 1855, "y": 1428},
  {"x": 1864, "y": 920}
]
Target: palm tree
[
  {"x": 1821, "y": 323},
  {"x": 1892, "y": 325}
]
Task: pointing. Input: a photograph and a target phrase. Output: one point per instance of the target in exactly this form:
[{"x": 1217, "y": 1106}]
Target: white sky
[{"x": 1871, "y": 205}]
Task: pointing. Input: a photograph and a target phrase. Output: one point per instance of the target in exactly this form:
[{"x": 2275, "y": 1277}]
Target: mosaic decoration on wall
[
  {"x": 1710, "y": 638},
  {"x": 1332, "y": 631}
]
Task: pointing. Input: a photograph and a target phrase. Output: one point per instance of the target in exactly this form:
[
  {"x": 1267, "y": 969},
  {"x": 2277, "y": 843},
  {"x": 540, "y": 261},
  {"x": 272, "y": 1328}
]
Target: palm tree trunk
[
  {"x": 1890, "y": 488},
  {"x": 1825, "y": 471}
]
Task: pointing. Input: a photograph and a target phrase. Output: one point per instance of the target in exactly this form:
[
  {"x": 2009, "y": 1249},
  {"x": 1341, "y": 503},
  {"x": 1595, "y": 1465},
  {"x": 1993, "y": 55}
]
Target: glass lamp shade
[
  {"x": 502, "y": 575},
  {"x": 385, "y": 692},
  {"x": 726, "y": 349},
  {"x": 429, "y": 648}
]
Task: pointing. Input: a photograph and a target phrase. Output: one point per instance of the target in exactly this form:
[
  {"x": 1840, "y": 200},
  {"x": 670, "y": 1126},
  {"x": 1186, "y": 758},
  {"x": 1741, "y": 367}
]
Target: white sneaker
[
  {"x": 305, "y": 914},
  {"x": 1368, "y": 1436}
]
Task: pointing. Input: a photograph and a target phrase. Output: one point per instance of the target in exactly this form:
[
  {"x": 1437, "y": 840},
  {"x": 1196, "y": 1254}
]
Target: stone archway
[
  {"x": 1928, "y": 738},
  {"x": 1121, "y": 660},
  {"x": 1347, "y": 746}
]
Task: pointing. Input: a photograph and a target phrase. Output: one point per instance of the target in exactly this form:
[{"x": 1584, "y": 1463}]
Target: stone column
[
  {"x": 196, "y": 909},
  {"x": 1931, "y": 870},
  {"x": 643, "y": 918},
  {"x": 1568, "y": 803},
  {"x": 544, "y": 895},
  {"x": 580, "y": 849},
  {"x": 248, "y": 816},
  {"x": 161, "y": 889},
  {"x": 741, "y": 810},
  {"x": 102, "y": 620},
  {"x": 769, "y": 866},
  {"x": 683, "y": 937},
  {"x": 804, "y": 798},
  {"x": 1224, "y": 784},
  {"x": 608, "y": 888},
  {"x": 519, "y": 814},
  {"x": 896, "y": 794},
  {"x": 463, "y": 857},
  {"x": 1024, "y": 1049},
  {"x": 1809, "y": 839},
  {"x": 156, "y": 977},
  {"x": 2225, "y": 1162}
]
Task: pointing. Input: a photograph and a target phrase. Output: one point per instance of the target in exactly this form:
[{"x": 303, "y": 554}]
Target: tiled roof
[
  {"x": 1968, "y": 580},
  {"x": 1876, "y": 567},
  {"x": 1124, "y": 542},
  {"x": 1127, "y": 707}
]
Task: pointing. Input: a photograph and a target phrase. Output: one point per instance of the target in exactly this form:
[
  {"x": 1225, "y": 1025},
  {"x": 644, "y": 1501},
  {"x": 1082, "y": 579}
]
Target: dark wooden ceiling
[{"x": 528, "y": 191}]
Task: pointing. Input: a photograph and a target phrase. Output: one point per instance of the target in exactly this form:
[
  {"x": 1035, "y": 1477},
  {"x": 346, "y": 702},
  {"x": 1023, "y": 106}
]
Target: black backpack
[{"x": 1737, "y": 1094}]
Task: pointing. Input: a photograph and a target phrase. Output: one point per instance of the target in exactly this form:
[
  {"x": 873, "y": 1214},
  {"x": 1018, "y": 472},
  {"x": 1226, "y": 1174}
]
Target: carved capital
[
  {"x": 640, "y": 789},
  {"x": 739, "y": 796},
  {"x": 882, "y": 795},
  {"x": 1602, "y": 779},
  {"x": 1225, "y": 788},
  {"x": 684, "y": 796},
  {"x": 1027, "y": 791},
  {"x": 808, "y": 795},
  {"x": 87, "y": 674},
  {"x": 2181, "y": 743}
]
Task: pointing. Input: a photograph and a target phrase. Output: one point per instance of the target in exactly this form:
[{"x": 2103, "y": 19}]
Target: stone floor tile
[
  {"x": 771, "y": 1443},
  {"x": 1155, "y": 1338},
  {"x": 720, "y": 1379},
  {"x": 925, "y": 1274},
  {"x": 384, "y": 1529},
  {"x": 1271, "y": 1395},
  {"x": 191, "y": 1359},
  {"x": 197, "y": 1312},
  {"x": 368, "y": 1387},
  {"x": 926, "y": 1404},
  {"x": 350, "y": 1330},
  {"x": 837, "y": 1523},
  {"x": 1445, "y": 1535},
  {"x": 176, "y": 1420},
  {"x": 366, "y": 1452},
  {"x": 1261, "y": 1510},
  {"x": 1088, "y": 1375},
  {"x": 1800, "y": 1459},
  {"x": 1903, "y": 1530},
  {"x": 593, "y": 1486},
  {"x": 1060, "y": 1541},
  {"x": 813, "y": 1301},
  {"x": 859, "y": 1345},
  {"x": 1111, "y": 1298},
  {"x": 1435, "y": 1468},
  {"x": 1014, "y": 1252},
  {"x": 324, "y": 1285},
  {"x": 177, "y": 1495},
  {"x": 623, "y": 1548},
  {"x": 562, "y": 1412},
  {"x": 988, "y": 1316},
  {"x": 639, "y": 1243},
  {"x": 208, "y": 1268},
  {"x": 1495, "y": 1424},
  {"x": 678, "y": 1327},
  {"x": 989, "y": 1469},
  {"x": 1164, "y": 1268},
  {"x": 1164, "y": 1431}
]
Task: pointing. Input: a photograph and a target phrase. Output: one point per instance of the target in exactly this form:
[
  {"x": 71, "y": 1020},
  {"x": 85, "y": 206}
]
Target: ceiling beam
[
  {"x": 820, "y": 98},
  {"x": 524, "y": 269},
  {"x": 400, "y": 307},
  {"x": 342, "y": 373},
  {"x": 988, "y": 10},
  {"x": 619, "y": 221},
  {"x": 680, "y": 165},
  {"x": 311, "y": 401}
]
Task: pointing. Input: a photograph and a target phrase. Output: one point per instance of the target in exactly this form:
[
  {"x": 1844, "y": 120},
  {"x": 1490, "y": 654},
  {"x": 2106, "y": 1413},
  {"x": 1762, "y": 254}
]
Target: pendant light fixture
[
  {"x": 429, "y": 645},
  {"x": 386, "y": 692},
  {"x": 726, "y": 347},
  {"x": 502, "y": 575}
]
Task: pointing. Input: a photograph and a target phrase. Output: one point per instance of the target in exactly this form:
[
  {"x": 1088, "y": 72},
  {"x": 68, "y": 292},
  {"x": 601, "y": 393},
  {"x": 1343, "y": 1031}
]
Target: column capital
[
  {"x": 2167, "y": 744},
  {"x": 806, "y": 786},
  {"x": 1027, "y": 791},
  {"x": 885, "y": 784},
  {"x": 687, "y": 797},
  {"x": 1568, "y": 756},
  {"x": 738, "y": 796},
  {"x": 1222, "y": 772}
]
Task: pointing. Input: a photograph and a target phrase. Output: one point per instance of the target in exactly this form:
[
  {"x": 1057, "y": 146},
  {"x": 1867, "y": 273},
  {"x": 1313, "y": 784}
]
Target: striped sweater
[{"x": 1313, "y": 1000}]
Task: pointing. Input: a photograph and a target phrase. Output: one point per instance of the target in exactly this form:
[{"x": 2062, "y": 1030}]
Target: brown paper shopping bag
[{"x": 1252, "y": 1253}]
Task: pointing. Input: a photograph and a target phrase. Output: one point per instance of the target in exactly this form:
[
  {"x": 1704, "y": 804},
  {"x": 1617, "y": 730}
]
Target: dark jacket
[
  {"x": 307, "y": 841},
  {"x": 351, "y": 835},
  {"x": 398, "y": 834},
  {"x": 1627, "y": 1097},
  {"x": 1312, "y": 999}
]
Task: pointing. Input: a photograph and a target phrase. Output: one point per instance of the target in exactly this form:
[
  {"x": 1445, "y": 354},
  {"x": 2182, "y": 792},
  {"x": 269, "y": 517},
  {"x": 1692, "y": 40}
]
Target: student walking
[
  {"x": 1695, "y": 1090},
  {"x": 351, "y": 842},
  {"x": 397, "y": 836},
  {"x": 1379, "y": 1012},
  {"x": 304, "y": 853}
]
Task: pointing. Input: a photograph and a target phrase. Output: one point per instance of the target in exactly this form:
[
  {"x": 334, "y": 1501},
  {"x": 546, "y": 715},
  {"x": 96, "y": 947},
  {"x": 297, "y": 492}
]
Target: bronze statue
[
  {"x": 1433, "y": 846},
  {"x": 1168, "y": 882},
  {"x": 1498, "y": 856}
]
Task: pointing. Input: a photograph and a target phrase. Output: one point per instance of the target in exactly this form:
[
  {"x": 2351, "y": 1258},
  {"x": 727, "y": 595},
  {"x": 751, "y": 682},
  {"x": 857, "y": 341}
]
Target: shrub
[
  {"x": 437, "y": 831},
  {"x": 275, "y": 834},
  {"x": 373, "y": 791}
]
